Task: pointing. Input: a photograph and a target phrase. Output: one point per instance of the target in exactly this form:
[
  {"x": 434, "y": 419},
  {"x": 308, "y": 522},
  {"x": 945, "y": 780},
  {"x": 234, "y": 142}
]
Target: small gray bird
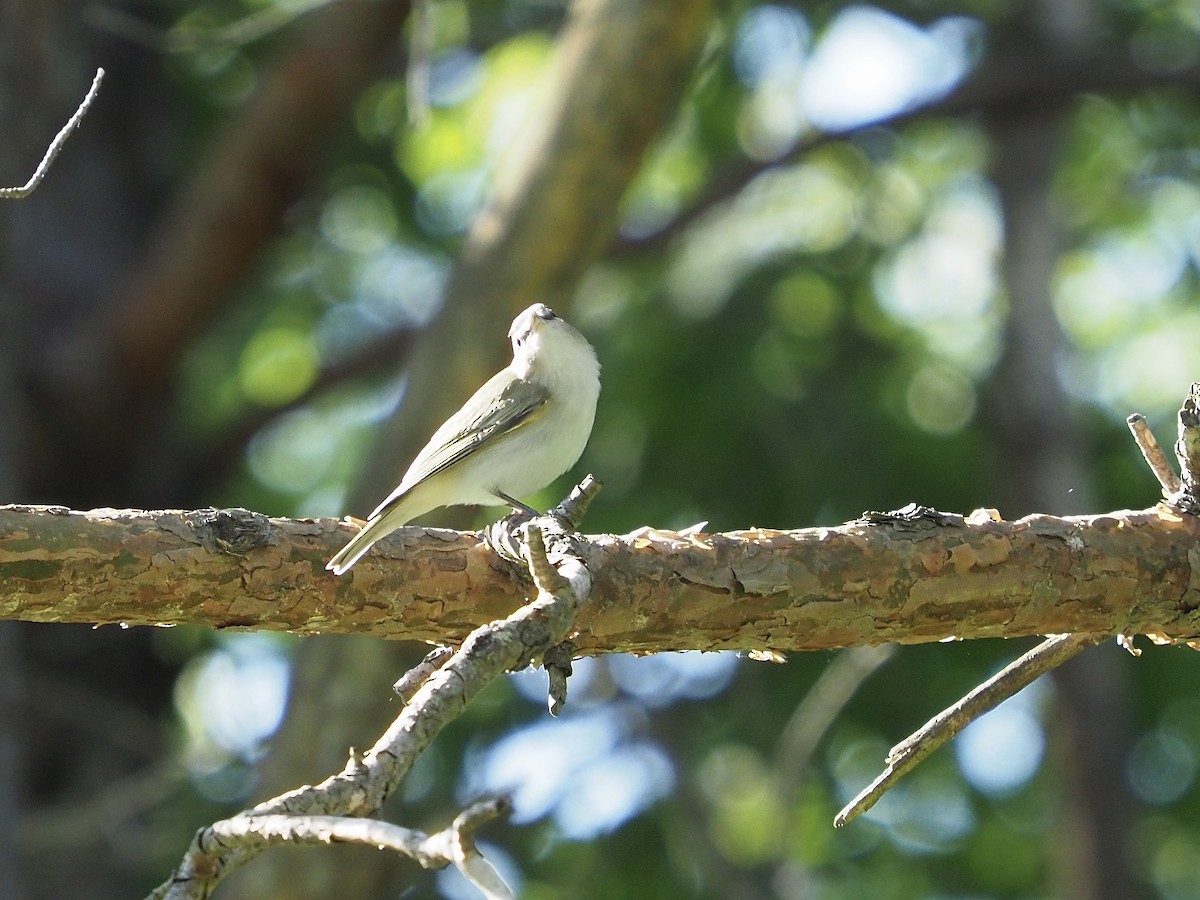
[{"x": 526, "y": 426}]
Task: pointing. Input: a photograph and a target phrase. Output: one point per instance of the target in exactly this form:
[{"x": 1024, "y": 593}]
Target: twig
[
  {"x": 460, "y": 848},
  {"x": 557, "y": 660},
  {"x": 17, "y": 193},
  {"x": 507, "y": 536},
  {"x": 562, "y": 586},
  {"x": 340, "y": 830},
  {"x": 572, "y": 510},
  {"x": 1018, "y": 674},
  {"x": 520, "y": 537},
  {"x": 1153, "y": 453},
  {"x": 410, "y": 682},
  {"x": 451, "y": 846}
]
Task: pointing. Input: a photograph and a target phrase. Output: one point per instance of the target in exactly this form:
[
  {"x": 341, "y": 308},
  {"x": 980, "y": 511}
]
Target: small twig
[
  {"x": 1018, "y": 674},
  {"x": 1153, "y": 453},
  {"x": 563, "y": 584},
  {"x": 270, "y": 829},
  {"x": 410, "y": 682},
  {"x": 575, "y": 506},
  {"x": 17, "y": 193},
  {"x": 458, "y": 844},
  {"x": 545, "y": 576},
  {"x": 452, "y": 846}
]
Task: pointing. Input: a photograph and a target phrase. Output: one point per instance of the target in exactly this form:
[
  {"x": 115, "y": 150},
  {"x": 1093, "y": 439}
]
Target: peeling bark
[{"x": 814, "y": 589}]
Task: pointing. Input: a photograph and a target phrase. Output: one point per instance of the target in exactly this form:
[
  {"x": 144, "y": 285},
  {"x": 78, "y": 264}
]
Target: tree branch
[
  {"x": 253, "y": 834},
  {"x": 56, "y": 145},
  {"x": 925, "y": 579},
  {"x": 1153, "y": 453},
  {"x": 939, "y": 730}
]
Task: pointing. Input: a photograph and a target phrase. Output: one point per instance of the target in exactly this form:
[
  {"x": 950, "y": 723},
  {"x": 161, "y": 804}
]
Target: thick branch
[{"x": 926, "y": 580}]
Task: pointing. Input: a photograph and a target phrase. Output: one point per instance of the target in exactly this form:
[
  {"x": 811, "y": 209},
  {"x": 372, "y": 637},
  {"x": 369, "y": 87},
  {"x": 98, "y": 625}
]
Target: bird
[{"x": 527, "y": 425}]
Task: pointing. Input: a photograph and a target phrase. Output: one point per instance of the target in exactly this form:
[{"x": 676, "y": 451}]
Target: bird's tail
[
  {"x": 399, "y": 509},
  {"x": 358, "y": 545}
]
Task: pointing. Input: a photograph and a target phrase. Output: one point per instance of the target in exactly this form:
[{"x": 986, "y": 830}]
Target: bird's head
[{"x": 545, "y": 346}]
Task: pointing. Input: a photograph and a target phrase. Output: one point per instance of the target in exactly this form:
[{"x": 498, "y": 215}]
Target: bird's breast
[{"x": 531, "y": 456}]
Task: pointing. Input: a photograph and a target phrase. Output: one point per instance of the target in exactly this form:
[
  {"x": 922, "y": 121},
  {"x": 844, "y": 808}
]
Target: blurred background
[{"x": 833, "y": 256}]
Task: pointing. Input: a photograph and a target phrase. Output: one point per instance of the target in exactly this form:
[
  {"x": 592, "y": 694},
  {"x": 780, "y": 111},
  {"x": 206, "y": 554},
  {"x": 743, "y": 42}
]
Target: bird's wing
[{"x": 519, "y": 403}]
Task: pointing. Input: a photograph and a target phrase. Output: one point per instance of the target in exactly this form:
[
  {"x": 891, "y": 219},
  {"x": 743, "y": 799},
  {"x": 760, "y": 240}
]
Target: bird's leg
[
  {"x": 517, "y": 505},
  {"x": 507, "y": 535}
]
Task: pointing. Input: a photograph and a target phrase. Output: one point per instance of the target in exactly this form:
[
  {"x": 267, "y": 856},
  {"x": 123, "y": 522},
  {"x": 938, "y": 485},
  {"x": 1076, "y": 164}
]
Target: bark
[{"x": 933, "y": 579}]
